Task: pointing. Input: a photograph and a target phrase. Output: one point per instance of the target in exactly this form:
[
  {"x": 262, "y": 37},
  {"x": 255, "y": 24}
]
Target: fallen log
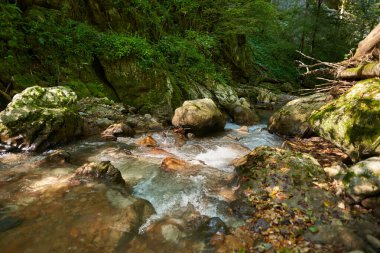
[{"x": 361, "y": 71}]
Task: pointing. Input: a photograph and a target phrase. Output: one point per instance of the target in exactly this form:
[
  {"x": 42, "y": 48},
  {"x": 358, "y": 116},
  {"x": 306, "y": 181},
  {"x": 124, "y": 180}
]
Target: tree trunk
[
  {"x": 316, "y": 24},
  {"x": 362, "y": 71},
  {"x": 366, "y": 46},
  {"x": 303, "y": 37}
]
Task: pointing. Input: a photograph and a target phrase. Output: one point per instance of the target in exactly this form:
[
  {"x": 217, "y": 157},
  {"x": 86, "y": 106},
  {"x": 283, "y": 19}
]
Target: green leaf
[{"x": 313, "y": 229}]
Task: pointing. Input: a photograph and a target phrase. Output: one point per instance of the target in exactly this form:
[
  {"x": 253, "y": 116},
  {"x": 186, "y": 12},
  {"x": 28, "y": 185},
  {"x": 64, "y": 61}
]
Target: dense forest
[
  {"x": 190, "y": 126},
  {"x": 131, "y": 51}
]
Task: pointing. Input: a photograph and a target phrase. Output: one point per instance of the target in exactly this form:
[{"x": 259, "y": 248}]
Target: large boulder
[
  {"x": 242, "y": 113},
  {"x": 101, "y": 113},
  {"x": 285, "y": 175},
  {"x": 39, "y": 118},
  {"x": 292, "y": 119},
  {"x": 238, "y": 109},
  {"x": 283, "y": 194},
  {"x": 201, "y": 116},
  {"x": 352, "y": 121}
]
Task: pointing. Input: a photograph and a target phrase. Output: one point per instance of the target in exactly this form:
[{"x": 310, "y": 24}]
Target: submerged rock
[
  {"x": 201, "y": 116},
  {"x": 292, "y": 119},
  {"x": 39, "y": 118},
  {"x": 58, "y": 156},
  {"x": 352, "y": 121},
  {"x": 103, "y": 171},
  {"x": 83, "y": 218},
  {"x": 211, "y": 227}
]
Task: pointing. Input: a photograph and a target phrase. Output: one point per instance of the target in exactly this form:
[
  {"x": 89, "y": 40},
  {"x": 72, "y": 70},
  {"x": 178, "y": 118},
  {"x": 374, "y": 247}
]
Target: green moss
[
  {"x": 352, "y": 121},
  {"x": 88, "y": 89}
]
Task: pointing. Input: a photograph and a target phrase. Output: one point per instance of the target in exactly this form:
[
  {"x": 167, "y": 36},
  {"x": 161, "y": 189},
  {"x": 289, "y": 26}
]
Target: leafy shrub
[{"x": 115, "y": 46}]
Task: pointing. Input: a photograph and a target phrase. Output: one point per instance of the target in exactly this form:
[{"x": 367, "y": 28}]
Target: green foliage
[
  {"x": 10, "y": 16},
  {"x": 190, "y": 55},
  {"x": 65, "y": 40},
  {"x": 275, "y": 57},
  {"x": 115, "y": 46},
  {"x": 193, "y": 40},
  {"x": 248, "y": 17},
  {"x": 324, "y": 31},
  {"x": 206, "y": 43}
]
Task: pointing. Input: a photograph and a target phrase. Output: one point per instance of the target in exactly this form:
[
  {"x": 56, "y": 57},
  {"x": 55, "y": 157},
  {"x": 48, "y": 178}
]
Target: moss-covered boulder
[
  {"x": 237, "y": 108},
  {"x": 284, "y": 175},
  {"x": 292, "y": 119},
  {"x": 152, "y": 91},
  {"x": 352, "y": 122},
  {"x": 100, "y": 113},
  {"x": 39, "y": 118},
  {"x": 200, "y": 116},
  {"x": 244, "y": 115}
]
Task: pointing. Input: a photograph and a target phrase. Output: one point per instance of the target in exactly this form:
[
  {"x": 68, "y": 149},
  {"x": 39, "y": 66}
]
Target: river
[{"x": 41, "y": 211}]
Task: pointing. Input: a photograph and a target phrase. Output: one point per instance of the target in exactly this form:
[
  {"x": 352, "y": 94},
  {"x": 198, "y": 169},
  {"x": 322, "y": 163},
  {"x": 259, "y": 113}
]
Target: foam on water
[
  {"x": 219, "y": 158},
  {"x": 172, "y": 193}
]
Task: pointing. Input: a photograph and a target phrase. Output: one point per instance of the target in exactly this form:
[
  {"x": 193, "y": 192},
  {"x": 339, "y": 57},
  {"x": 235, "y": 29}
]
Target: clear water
[{"x": 38, "y": 196}]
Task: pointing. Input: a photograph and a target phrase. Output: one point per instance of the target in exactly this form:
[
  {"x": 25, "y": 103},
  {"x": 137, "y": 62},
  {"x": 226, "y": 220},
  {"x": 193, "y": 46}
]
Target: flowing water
[{"x": 41, "y": 210}]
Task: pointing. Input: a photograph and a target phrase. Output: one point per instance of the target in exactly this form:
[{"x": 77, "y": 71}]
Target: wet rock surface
[
  {"x": 244, "y": 114},
  {"x": 201, "y": 116},
  {"x": 7, "y": 223},
  {"x": 117, "y": 130},
  {"x": 147, "y": 141},
  {"x": 280, "y": 200},
  {"x": 103, "y": 171}
]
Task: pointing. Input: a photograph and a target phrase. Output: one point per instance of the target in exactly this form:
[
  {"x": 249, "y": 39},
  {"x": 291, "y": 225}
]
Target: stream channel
[{"x": 42, "y": 211}]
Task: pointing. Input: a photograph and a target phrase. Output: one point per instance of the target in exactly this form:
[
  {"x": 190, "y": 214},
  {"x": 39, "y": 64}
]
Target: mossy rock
[
  {"x": 352, "y": 122},
  {"x": 150, "y": 91},
  {"x": 39, "y": 118},
  {"x": 292, "y": 119},
  {"x": 284, "y": 175},
  {"x": 200, "y": 116},
  {"x": 237, "y": 108}
]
